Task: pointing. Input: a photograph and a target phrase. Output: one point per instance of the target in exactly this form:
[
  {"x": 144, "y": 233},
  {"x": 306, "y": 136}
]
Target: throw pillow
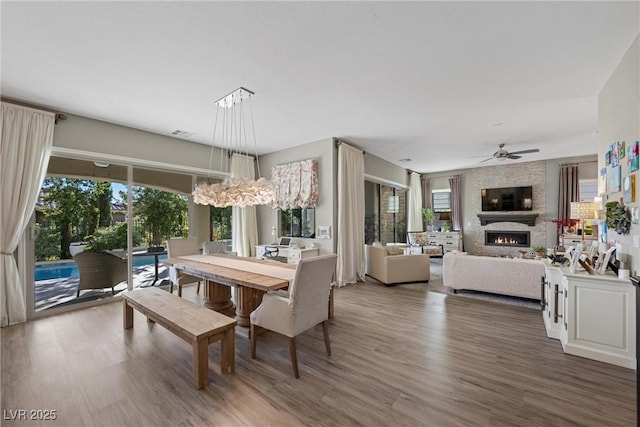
[
  {"x": 377, "y": 244},
  {"x": 421, "y": 239},
  {"x": 394, "y": 250}
]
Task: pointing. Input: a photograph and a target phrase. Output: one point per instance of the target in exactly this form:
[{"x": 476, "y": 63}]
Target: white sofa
[
  {"x": 516, "y": 277},
  {"x": 399, "y": 268}
]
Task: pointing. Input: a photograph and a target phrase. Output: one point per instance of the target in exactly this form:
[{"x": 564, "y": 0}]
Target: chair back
[
  {"x": 178, "y": 246},
  {"x": 100, "y": 270},
  {"x": 309, "y": 292},
  {"x": 214, "y": 247}
]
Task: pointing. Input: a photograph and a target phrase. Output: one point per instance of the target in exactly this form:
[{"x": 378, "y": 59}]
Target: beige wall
[{"x": 619, "y": 120}]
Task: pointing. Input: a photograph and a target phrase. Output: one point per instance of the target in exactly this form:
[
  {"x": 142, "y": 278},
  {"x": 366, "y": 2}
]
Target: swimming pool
[{"x": 63, "y": 270}]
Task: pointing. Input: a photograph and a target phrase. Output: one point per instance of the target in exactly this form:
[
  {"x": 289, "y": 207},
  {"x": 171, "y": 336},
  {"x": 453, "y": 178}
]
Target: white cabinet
[
  {"x": 449, "y": 240},
  {"x": 593, "y": 316},
  {"x": 293, "y": 255},
  {"x": 553, "y": 300}
]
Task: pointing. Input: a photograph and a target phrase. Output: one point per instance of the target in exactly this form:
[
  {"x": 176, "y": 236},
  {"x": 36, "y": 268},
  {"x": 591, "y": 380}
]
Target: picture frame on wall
[
  {"x": 323, "y": 232},
  {"x": 614, "y": 180},
  {"x": 632, "y": 157},
  {"x": 613, "y": 149},
  {"x": 635, "y": 215},
  {"x": 629, "y": 189}
]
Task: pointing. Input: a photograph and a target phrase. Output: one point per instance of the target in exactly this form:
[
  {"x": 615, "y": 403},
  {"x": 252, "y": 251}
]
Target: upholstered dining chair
[
  {"x": 304, "y": 307},
  {"x": 178, "y": 246}
]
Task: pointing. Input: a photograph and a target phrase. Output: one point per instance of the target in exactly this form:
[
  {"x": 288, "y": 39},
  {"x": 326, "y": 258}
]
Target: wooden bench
[{"x": 191, "y": 322}]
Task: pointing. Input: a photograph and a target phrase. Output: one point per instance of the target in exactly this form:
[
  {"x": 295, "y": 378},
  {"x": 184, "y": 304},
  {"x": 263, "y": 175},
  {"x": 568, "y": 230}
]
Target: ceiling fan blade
[
  {"x": 486, "y": 160},
  {"x": 511, "y": 156},
  {"x": 533, "y": 150}
]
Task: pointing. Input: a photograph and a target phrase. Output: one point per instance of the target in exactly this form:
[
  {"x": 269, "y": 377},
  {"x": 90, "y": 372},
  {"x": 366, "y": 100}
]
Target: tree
[
  {"x": 161, "y": 212},
  {"x": 220, "y": 222},
  {"x": 68, "y": 203}
]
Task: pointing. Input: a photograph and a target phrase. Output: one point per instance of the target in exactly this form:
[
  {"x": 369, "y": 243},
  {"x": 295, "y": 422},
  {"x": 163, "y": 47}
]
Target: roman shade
[{"x": 295, "y": 184}]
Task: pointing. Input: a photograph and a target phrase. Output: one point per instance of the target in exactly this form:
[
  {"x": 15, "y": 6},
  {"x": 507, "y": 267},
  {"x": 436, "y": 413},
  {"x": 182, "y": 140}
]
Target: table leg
[
  {"x": 201, "y": 363},
  {"x": 127, "y": 318},
  {"x": 248, "y": 300},
  {"x": 217, "y": 297}
]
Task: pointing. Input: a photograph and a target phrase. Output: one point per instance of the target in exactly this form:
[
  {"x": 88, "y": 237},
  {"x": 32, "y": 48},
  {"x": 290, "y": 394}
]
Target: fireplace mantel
[{"x": 490, "y": 218}]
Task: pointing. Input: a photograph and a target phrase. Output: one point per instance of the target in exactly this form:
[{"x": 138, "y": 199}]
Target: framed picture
[
  {"x": 613, "y": 149},
  {"x": 603, "y": 261},
  {"x": 621, "y": 149},
  {"x": 632, "y": 157},
  {"x": 635, "y": 215},
  {"x": 629, "y": 189},
  {"x": 607, "y": 158},
  {"x": 324, "y": 232},
  {"x": 575, "y": 256},
  {"x": 614, "y": 179}
]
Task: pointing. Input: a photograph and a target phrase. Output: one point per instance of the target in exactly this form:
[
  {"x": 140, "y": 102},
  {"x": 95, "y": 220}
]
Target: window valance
[{"x": 295, "y": 184}]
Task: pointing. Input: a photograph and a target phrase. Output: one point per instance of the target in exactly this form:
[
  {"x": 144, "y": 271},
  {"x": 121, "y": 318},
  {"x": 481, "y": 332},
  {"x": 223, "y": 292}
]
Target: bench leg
[
  {"x": 228, "y": 352},
  {"x": 201, "y": 363},
  {"x": 127, "y": 317}
]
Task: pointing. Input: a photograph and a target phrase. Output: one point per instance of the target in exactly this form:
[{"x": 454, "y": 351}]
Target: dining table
[{"x": 220, "y": 273}]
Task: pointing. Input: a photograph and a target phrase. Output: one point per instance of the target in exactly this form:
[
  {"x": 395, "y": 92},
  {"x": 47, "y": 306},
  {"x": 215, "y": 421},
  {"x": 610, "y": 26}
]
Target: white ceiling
[{"x": 428, "y": 81}]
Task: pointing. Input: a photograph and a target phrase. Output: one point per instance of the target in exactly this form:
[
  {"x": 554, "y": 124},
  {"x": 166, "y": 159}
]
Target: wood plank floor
[{"x": 402, "y": 356}]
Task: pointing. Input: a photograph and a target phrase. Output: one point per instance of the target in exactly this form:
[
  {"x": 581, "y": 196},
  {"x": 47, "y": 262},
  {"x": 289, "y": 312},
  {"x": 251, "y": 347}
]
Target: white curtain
[
  {"x": 414, "y": 204},
  {"x": 25, "y": 147},
  {"x": 350, "y": 267},
  {"x": 244, "y": 222}
]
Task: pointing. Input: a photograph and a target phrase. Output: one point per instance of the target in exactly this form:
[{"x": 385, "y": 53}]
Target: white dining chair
[{"x": 304, "y": 307}]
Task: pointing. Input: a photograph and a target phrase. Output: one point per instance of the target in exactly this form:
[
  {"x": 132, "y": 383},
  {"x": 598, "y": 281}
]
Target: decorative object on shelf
[
  {"x": 632, "y": 157},
  {"x": 295, "y": 185},
  {"x": 565, "y": 226},
  {"x": 583, "y": 211},
  {"x": 540, "y": 251},
  {"x": 324, "y": 232},
  {"x": 618, "y": 217},
  {"x": 240, "y": 189},
  {"x": 429, "y": 216}
]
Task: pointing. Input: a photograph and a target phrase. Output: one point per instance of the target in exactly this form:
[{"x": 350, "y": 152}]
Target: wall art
[
  {"x": 621, "y": 149},
  {"x": 632, "y": 157},
  {"x": 614, "y": 154},
  {"x": 614, "y": 180},
  {"x": 629, "y": 189}
]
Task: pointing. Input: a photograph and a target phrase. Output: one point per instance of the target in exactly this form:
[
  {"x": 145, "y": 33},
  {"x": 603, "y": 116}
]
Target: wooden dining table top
[{"x": 232, "y": 276}]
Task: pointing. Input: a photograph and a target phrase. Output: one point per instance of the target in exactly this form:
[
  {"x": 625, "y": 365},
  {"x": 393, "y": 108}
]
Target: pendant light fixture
[{"x": 241, "y": 188}]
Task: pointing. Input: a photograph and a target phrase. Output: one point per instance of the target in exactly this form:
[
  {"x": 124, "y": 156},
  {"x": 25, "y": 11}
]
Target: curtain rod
[
  {"x": 337, "y": 143},
  {"x": 57, "y": 115},
  {"x": 578, "y": 163}
]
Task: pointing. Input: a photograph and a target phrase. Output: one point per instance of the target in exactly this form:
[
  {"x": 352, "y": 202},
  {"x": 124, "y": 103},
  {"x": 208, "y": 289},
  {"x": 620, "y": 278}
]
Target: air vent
[{"x": 182, "y": 133}]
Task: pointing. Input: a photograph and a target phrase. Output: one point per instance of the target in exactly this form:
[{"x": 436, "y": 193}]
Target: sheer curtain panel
[
  {"x": 350, "y": 268},
  {"x": 244, "y": 222},
  {"x": 414, "y": 208},
  {"x": 25, "y": 147}
]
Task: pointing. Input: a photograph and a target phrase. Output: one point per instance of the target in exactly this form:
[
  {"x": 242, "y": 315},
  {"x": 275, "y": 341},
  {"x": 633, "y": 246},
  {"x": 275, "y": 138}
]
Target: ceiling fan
[{"x": 503, "y": 154}]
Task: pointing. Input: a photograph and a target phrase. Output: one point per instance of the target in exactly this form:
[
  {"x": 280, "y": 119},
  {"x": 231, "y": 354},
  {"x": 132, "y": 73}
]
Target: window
[
  {"x": 441, "y": 200},
  {"x": 385, "y": 213},
  {"x": 588, "y": 189},
  {"x": 300, "y": 222}
]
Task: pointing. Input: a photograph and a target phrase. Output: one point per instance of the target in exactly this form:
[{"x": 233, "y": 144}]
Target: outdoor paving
[{"x": 55, "y": 292}]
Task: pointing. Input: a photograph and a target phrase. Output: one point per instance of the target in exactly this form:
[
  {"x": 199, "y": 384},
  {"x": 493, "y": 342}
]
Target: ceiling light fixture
[{"x": 234, "y": 191}]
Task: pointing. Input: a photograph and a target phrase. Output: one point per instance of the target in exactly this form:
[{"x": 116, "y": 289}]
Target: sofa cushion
[{"x": 394, "y": 250}]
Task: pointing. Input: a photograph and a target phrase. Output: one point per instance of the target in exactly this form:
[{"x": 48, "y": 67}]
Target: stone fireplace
[{"x": 507, "y": 238}]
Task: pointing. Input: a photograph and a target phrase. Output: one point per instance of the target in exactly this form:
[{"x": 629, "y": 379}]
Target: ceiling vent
[{"x": 182, "y": 133}]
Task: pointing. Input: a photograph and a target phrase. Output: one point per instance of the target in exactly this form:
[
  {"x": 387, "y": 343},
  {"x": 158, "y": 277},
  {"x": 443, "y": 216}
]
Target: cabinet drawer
[{"x": 293, "y": 255}]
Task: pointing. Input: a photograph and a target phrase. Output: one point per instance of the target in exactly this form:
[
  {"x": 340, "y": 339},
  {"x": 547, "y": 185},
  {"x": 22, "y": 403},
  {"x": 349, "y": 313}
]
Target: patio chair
[{"x": 99, "y": 270}]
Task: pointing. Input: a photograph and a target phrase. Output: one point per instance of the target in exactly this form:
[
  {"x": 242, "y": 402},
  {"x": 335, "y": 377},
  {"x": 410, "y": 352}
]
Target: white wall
[
  {"x": 619, "y": 120},
  {"x": 324, "y": 152}
]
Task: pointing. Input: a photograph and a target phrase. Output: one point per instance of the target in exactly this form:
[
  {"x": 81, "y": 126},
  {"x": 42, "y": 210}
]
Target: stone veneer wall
[{"x": 509, "y": 175}]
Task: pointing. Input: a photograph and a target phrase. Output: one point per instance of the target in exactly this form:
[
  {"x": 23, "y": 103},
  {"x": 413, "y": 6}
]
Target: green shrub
[
  {"x": 47, "y": 243},
  {"x": 113, "y": 237}
]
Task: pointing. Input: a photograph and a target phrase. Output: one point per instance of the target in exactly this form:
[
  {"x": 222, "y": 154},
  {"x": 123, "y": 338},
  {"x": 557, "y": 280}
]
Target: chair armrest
[{"x": 274, "y": 314}]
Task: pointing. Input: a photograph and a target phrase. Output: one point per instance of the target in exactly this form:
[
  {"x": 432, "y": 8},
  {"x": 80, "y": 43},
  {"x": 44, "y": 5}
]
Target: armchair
[
  {"x": 177, "y": 246},
  {"x": 304, "y": 307},
  {"x": 100, "y": 270}
]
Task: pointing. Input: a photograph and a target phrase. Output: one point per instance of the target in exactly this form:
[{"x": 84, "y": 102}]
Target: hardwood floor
[{"x": 401, "y": 356}]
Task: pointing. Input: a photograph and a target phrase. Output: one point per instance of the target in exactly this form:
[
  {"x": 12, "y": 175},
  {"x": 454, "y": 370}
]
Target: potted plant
[
  {"x": 540, "y": 251},
  {"x": 429, "y": 216},
  {"x": 446, "y": 226}
]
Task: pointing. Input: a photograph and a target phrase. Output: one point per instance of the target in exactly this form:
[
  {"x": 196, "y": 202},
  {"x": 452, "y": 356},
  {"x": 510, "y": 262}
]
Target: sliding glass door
[{"x": 385, "y": 213}]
